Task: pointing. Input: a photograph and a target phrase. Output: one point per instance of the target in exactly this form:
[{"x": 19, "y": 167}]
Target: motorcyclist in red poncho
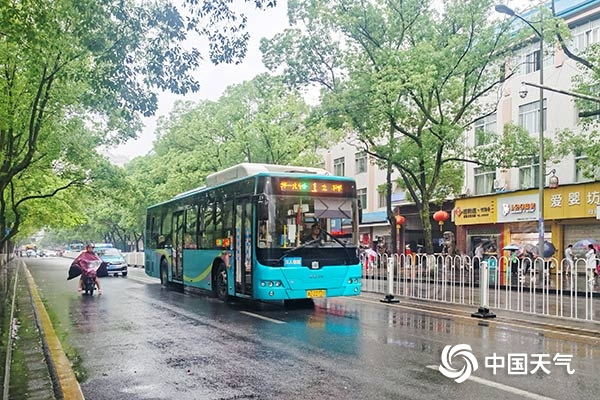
[{"x": 83, "y": 260}]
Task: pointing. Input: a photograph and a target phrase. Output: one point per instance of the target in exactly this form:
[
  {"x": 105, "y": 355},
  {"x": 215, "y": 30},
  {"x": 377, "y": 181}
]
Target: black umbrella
[
  {"x": 549, "y": 249},
  {"x": 74, "y": 271}
]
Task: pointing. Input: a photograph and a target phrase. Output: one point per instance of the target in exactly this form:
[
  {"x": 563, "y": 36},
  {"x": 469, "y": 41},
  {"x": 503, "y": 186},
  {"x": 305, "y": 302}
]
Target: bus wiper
[
  {"x": 335, "y": 239},
  {"x": 343, "y": 244},
  {"x": 303, "y": 245}
]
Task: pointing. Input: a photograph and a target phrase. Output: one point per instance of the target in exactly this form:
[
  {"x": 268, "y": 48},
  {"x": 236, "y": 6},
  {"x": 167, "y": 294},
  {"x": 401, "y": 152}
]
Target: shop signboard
[
  {"x": 572, "y": 201},
  {"x": 474, "y": 210},
  {"x": 518, "y": 208}
]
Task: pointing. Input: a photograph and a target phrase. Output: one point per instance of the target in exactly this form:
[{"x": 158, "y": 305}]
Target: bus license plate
[{"x": 315, "y": 293}]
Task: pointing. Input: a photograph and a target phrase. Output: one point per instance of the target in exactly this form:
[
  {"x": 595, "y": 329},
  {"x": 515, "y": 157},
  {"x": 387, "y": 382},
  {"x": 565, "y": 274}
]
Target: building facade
[{"x": 480, "y": 212}]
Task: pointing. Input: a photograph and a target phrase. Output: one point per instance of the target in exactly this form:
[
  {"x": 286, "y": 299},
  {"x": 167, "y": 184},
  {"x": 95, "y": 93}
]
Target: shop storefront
[
  {"x": 570, "y": 215},
  {"x": 475, "y": 220}
]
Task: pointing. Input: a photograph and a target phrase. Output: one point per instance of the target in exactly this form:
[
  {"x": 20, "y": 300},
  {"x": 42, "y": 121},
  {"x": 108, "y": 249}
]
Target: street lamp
[{"x": 501, "y": 8}]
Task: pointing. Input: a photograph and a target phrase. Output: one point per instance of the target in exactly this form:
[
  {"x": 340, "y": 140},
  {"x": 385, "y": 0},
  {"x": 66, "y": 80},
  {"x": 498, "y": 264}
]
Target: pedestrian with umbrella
[
  {"x": 569, "y": 258},
  {"x": 590, "y": 263}
]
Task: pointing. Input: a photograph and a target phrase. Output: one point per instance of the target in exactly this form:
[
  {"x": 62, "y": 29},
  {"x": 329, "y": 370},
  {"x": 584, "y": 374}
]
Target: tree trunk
[{"x": 426, "y": 222}]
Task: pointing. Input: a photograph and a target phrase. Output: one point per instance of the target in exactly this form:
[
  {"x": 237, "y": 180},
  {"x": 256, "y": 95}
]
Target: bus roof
[
  {"x": 248, "y": 169},
  {"x": 243, "y": 170}
]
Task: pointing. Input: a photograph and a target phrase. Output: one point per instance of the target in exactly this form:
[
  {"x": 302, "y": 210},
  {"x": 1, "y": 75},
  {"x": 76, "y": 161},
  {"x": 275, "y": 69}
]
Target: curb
[{"x": 68, "y": 387}]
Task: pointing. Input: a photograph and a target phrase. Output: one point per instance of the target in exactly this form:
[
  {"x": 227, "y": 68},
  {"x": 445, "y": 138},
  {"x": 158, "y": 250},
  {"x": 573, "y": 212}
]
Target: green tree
[
  {"x": 80, "y": 73},
  {"x": 408, "y": 78},
  {"x": 259, "y": 121}
]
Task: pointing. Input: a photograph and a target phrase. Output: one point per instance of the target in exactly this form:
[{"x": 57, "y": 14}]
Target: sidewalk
[{"x": 29, "y": 374}]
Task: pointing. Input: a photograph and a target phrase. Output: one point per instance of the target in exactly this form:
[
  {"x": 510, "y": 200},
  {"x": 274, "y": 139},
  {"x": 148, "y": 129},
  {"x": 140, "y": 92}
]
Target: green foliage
[
  {"x": 80, "y": 74},
  {"x": 257, "y": 121},
  {"x": 407, "y": 78}
]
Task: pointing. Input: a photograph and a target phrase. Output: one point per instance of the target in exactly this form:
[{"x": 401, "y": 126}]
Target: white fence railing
[
  {"x": 538, "y": 286},
  {"x": 135, "y": 259}
]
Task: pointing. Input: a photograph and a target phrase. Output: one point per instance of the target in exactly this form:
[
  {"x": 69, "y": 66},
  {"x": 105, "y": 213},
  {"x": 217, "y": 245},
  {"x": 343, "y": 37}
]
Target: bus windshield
[{"x": 290, "y": 221}]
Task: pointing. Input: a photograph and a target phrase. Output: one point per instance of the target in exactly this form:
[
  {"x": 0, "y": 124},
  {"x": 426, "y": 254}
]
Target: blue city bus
[{"x": 242, "y": 235}]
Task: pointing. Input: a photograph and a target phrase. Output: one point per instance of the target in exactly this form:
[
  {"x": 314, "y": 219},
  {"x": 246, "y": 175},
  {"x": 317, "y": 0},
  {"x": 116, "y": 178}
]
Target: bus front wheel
[
  {"x": 221, "y": 282},
  {"x": 164, "y": 274}
]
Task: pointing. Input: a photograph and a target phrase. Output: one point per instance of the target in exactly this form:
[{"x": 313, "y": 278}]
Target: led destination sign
[{"x": 314, "y": 187}]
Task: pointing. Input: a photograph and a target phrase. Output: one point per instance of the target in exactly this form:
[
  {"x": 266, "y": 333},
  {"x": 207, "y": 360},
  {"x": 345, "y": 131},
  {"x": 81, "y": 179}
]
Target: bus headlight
[{"x": 271, "y": 284}]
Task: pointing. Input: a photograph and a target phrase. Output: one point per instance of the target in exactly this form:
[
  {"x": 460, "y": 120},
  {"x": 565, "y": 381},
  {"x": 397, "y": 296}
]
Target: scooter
[{"x": 88, "y": 274}]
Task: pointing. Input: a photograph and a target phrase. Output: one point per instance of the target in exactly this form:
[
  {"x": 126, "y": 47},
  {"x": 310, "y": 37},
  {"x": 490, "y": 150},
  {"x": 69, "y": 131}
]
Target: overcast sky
[{"x": 214, "y": 79}]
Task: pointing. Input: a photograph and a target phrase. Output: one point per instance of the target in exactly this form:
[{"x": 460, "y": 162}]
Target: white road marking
[
  {"x": 499, "y": 386},
  {"x": 276, "y": 321}
]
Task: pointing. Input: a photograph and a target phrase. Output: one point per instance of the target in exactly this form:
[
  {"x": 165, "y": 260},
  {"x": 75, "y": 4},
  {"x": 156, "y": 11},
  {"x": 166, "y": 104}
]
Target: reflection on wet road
[{"x": 139, "y": 341}]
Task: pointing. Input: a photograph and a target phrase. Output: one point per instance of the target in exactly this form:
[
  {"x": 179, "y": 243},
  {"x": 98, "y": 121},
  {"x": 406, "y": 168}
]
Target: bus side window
[
  {"x": 201, "y": 230},
  {"x": 208, "y": 239},
  {"x": 191, "y": 230},
  {"x": 165, "y": 236},
  {"x": 227, "y": 219},
  {"x": 152, "y": 231}
]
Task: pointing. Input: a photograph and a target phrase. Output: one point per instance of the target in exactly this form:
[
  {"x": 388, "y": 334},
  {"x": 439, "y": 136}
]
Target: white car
[{"x": 114, "y": 260}]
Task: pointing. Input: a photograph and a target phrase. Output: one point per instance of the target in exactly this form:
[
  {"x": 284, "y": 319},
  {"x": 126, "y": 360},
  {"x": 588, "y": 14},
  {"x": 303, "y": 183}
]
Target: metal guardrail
[
  {"x": 538, "y": 286},
  {"x": 134, "y": 259}
]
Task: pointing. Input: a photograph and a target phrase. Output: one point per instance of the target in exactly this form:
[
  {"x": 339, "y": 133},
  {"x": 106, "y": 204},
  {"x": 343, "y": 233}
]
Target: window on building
[
  {"x": 382, "y": 200},
  {"x": 362, "y": 197},
  {"x": 529, "y": 116},
  {"x": 579, "y": 175},
  {"x": 585, "y": 174},
  {"x": 484, "y": 179},
  {"x": 485, "y": 128},
  {"x": 360, "y": 160},
  {"x": 532, "y": 61},
  {"x": 338, "y": 166},
  {"x": 528, "y": 176},
  {"x": 585, "y": 35}
]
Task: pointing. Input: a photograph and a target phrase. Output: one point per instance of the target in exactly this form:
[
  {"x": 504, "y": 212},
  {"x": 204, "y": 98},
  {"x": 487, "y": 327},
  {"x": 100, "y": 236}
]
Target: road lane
[{"x": 139, "y": 341}]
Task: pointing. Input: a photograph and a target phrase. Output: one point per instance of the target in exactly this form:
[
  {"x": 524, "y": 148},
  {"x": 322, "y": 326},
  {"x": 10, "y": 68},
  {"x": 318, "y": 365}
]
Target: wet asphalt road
[{"x": 139, "y": 341}]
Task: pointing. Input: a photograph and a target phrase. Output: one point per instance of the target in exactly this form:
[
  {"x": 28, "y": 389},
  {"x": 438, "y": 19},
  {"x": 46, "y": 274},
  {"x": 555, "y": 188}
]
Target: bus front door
[
  {"x": 177, "y": 254},
  {"x": 243, "y": 246}
]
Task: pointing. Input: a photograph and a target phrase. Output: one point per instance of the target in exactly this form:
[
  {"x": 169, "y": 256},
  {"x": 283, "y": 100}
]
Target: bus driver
[{"x": 315, "y": 233}]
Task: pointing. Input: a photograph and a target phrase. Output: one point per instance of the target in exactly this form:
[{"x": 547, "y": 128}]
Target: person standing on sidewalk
[
  {"x": 478, "y": 255},
  {"x": 590, "y": 262},
  {"x": 569, "y": 258}
]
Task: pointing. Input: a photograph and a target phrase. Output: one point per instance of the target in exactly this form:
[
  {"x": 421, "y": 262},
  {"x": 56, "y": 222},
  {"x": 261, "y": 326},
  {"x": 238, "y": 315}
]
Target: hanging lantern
[
  {"x": 400, "y": 220},
  {"x": 440, "y": 217}
]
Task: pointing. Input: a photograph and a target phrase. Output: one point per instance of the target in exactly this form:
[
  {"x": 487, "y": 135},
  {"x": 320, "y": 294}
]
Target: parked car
[{"x": 114, "y": 260}]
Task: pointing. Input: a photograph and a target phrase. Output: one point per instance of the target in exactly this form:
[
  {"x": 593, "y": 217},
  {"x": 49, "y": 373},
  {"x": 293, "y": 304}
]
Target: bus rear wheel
[
  {"x": 164, "y": 274},
  {"x": 221, "y": 282}
]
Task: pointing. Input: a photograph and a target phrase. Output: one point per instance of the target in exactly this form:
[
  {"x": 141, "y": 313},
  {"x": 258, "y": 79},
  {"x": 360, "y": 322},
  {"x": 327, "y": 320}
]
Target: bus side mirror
[
  {"x": 360, "y": 213},
  {"x": 262, "y": 208}
]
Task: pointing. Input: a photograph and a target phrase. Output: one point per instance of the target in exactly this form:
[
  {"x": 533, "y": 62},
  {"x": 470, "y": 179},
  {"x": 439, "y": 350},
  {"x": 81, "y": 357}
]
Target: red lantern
[
  {"x": 400, "y": 220},
  {"x": 440, "y": 217}
]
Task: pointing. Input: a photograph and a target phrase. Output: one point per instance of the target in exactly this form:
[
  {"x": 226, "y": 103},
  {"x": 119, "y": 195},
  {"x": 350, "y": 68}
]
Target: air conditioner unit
[{"x": 499, "y": 184}]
